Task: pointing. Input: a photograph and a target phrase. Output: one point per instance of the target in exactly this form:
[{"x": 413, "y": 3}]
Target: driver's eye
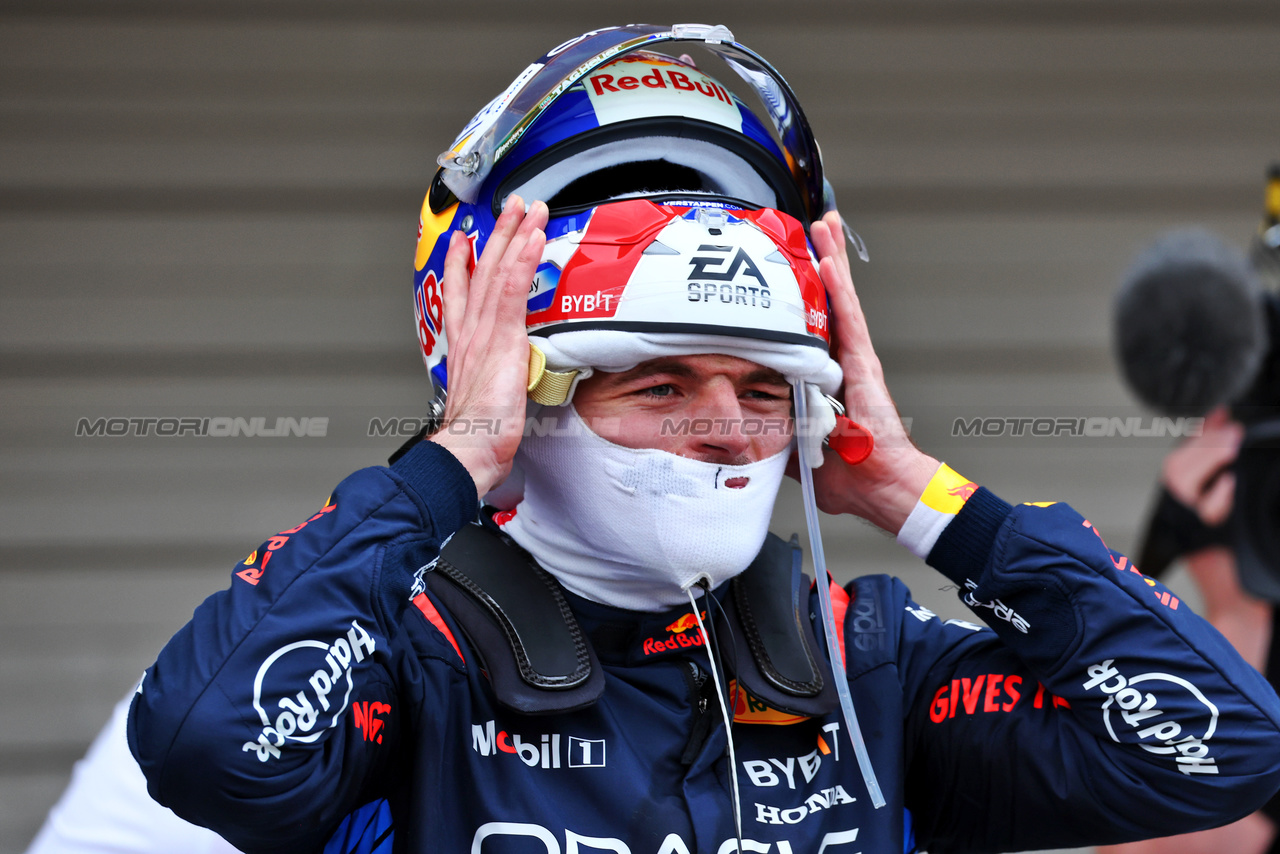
[{"x": 659, "y": 390}]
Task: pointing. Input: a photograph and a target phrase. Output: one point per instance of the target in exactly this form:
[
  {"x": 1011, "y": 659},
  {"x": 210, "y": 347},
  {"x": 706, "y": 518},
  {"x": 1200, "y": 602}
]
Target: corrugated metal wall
[{"x": 208, "y": 209}]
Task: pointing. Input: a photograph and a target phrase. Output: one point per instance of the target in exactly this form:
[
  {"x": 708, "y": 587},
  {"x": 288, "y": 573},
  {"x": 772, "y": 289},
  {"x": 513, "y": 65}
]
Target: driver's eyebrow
[
  {"x": 667, "y": 367},
  {"x": 679, "y": 370},
  {"x": 766, "y": 375}
]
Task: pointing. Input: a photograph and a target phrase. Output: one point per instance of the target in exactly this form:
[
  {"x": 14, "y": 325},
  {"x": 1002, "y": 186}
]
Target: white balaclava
[{"x": 635, "y": 528}]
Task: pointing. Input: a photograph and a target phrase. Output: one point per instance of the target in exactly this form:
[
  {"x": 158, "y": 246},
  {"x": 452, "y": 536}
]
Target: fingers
[
  {"x": 824, "y": 241},
  {"x": 482, "y": 282},
  {"x": 835, "y": 225},
  {"x": 516, "y": 275},
  {"x": 505, "y": 291},
  {"x": 503, "y": 231},
  {"x": 499, "y": 284},
  {"x": 866, "y": 396},
  {"x": 854, "y": 349},
  {"x": 456, "y": 282},
  {"x": 1221, "y": 430},
  {"x": 828, "y": 240},
  {"x": 1215, "y": 504},
  {"x": 1192, "y": 470},
  {"x": 488, "y": 346},
  {"x": 519, "y": 261},
  {"x": 844, "y": 301},
  {"x": 503, "y": 264},
  {"x": 1219, "y": 433}
]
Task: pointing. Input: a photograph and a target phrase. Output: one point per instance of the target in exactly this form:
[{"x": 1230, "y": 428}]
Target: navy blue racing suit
[{"x": 327, "y": 689}]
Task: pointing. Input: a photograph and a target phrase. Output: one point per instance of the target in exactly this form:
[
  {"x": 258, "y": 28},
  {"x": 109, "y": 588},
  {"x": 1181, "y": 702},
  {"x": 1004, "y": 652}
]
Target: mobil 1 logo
[{"x": 546, "y": 750}]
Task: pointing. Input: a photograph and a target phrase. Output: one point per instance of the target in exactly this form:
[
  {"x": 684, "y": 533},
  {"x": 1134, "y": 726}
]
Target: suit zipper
[{"x": 698, "y": 682}]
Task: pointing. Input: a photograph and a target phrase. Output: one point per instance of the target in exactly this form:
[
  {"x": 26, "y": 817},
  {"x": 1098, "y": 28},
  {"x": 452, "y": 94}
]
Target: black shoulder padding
[
  {"x": 537, "y": 656},
  {"x": 539, "y": 660},
  {"x": 771, "y": 605}
]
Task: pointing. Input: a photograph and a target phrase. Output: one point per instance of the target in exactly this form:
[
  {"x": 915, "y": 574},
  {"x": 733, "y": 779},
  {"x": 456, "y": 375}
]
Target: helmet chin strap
[{"x": 807, "y": 464}]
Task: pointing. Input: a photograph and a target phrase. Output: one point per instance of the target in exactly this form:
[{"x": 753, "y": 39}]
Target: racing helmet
[{"x": 604, "y": 117}]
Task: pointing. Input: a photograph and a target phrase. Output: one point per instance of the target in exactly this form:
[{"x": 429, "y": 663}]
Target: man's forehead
[{"x": 699, "y": 364}]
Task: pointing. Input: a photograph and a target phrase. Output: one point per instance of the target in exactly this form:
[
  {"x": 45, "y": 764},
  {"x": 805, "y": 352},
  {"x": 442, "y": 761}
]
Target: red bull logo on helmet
[
  {"x": 428, "y": 295},
  {"x": 428, "y": 316},
  {"x": 629, "y": 88}
]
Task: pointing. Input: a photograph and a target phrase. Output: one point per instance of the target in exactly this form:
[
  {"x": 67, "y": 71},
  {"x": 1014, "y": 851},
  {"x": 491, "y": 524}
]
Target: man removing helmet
[{"x": 613, "y": 654}]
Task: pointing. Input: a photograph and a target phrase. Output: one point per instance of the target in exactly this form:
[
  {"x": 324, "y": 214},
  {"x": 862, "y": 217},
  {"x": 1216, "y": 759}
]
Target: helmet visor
[{"x": 496, "y": 129}]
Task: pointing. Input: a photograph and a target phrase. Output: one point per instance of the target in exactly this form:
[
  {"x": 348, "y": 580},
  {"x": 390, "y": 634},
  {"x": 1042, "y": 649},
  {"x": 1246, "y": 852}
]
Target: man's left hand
[{"x": 885, "y": 486}]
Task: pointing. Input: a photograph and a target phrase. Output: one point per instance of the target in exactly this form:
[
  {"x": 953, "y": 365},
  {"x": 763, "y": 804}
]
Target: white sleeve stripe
[{"x": 923, "y": 527}]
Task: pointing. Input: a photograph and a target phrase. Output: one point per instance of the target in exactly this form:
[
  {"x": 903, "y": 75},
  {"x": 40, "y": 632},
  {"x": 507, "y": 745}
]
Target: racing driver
[{"x": 558, "y": 623}]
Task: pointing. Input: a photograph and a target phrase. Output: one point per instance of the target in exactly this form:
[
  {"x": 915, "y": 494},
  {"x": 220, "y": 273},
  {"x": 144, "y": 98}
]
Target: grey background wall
[{"x": 208, "y": 209}]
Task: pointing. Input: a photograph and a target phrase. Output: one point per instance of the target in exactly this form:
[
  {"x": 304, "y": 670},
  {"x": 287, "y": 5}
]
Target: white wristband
[{"x": 938, "y": 505}]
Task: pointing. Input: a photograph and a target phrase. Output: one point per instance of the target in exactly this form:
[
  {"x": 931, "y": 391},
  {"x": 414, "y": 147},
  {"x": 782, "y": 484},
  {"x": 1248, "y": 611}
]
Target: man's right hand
[{"x": 484, "y": 319}]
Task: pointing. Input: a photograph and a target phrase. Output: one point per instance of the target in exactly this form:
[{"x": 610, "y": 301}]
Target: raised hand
[
  {"x": 484, "y": 318},
  {"x": 883, "y": 488}
]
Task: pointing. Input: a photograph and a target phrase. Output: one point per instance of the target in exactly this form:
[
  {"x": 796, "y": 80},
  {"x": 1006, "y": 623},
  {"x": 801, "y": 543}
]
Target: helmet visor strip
[
  {"x": 497, "y": 128},
  {"x": 804, "y": 449}
]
